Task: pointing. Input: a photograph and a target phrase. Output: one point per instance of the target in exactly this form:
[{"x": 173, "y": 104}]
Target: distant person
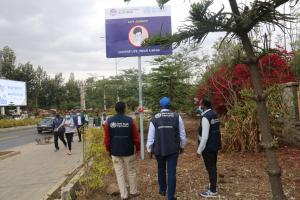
[
  {"x": 210, "y": 144},
  {"x": 58, "y": 131},
  {"x": 104, "y": 117},
  {"x": 122, "y": 142},
  {"x": 79, "y": 122},
  {"x": 166, "y": 139},
  {"x": 97, "y": 120},
  {"x": 86, "y": 118},
  {"x": 69, "y": 126}
]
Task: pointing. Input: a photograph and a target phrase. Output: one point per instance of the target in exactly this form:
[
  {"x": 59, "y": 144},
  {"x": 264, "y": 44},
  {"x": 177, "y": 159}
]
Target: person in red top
[{"x": 121, "y": 140}]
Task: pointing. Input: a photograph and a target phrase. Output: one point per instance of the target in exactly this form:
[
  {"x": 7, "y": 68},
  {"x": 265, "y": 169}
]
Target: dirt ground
[{"x": 241, "y": 176}]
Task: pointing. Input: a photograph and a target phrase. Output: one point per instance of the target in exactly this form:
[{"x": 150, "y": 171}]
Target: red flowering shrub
[{"x": 223, "y": 85}]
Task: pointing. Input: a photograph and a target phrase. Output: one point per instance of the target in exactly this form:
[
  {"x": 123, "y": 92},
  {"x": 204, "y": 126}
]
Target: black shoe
[{"x": 162, "y": 193}]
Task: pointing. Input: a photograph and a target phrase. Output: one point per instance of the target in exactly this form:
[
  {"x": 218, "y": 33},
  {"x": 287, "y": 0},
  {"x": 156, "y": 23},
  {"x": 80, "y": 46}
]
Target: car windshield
[{"x": 47, "y": 120}]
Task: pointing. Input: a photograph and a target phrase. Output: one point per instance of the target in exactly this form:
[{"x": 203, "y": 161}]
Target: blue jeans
[{"x": 170, "y": 162}]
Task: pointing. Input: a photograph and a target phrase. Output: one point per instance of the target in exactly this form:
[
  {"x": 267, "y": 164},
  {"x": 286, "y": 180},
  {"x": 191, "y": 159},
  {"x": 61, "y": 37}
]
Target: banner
[
  {"x": 12, "y": 93},
  {"x": 127, "y": 28}
]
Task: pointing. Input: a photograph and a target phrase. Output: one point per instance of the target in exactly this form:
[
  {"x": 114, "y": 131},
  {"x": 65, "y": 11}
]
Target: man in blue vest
[
  {"x": 166, "y": 139},
  {"x": 210, "y": 144},
  {"x": 122, "y": 142}
]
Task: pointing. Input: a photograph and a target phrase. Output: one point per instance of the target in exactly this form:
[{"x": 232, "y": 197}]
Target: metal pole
[
  {"x": 141, "y": 106},
  {"x": 116, "y": 64},
  {"x": 104, "y": 96}
]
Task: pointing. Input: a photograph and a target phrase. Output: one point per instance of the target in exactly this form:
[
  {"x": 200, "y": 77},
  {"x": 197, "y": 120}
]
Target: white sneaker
[{"x": 209, "y": 194}]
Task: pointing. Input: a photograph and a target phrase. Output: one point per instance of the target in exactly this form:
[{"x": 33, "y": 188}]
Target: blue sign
[{"x": 127, "y": 28}]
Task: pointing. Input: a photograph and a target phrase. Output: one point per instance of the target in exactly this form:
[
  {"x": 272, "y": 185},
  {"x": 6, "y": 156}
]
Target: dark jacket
[{"x": 75, "y": 118}]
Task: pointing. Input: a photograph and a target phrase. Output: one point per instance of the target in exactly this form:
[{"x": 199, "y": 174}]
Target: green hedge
[{"x": 7, "y": 123}]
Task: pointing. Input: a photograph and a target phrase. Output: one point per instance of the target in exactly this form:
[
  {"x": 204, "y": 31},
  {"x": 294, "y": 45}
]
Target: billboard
[
  {"x": 12, "y": 93},
  {"x": 126, "y": 28}
]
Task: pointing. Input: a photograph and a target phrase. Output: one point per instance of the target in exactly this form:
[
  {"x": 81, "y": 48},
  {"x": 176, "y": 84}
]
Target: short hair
[
  {"x": 120, "y": 107},
  {"x": 206, "y": 103},
  {"x": 137, "y": 29}
]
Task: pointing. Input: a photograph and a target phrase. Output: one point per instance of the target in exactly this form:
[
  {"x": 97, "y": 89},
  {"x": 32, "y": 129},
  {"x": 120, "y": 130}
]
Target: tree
[
  {"x": 238, "y": 23},
  {"x": 72, "y": 93},
  {"x": 173, "y": 78},
  {"x": 7, "y": 63}
]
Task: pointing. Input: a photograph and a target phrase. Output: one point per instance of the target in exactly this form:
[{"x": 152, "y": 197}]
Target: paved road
[
  {"x": 32, "y": 173},
  {"x": 16, "y": 138}
]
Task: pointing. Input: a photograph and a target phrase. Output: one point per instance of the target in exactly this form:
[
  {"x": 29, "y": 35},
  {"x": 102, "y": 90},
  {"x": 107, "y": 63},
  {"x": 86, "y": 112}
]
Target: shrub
[
  {"x": 97, "y": 162},
  {"x": 241, "y": 131},
  {"x": 7, "y": 123}
]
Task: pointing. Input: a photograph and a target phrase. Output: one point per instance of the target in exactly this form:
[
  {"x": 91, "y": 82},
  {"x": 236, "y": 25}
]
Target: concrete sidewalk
[{"x": 36, "y": 170}]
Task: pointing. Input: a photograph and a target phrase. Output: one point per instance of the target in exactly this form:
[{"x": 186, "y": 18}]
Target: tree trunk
[{"x": 273, "y": 168}]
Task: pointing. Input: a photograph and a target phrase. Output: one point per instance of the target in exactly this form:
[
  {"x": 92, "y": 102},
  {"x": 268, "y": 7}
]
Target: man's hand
[
  {"x": 150, "y": 155},
  {"x": 181, "y": 150},
  {"x": 198, "y": 155},
  {"x": 137, "y": 153}
]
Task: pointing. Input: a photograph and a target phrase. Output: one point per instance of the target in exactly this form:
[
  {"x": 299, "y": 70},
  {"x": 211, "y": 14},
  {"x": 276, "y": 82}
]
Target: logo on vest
[
  {"x": 214, "y": 121},
  {"x": 164, "y": 114},
  {"x": 119, "y": 125},
  {"x": 158, "y": 115}
]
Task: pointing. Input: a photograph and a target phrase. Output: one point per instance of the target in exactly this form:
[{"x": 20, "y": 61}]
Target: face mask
[
  {"x": 67, "y": 116},
  {"x": 200, "y": 109}
]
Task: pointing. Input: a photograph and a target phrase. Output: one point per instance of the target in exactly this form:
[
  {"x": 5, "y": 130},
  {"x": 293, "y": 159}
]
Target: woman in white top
[{"x": 69, "y": 125}]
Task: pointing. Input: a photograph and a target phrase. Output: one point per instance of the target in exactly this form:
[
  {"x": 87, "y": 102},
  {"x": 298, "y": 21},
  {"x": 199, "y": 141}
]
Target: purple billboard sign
[{"x": 126, "y": 28}]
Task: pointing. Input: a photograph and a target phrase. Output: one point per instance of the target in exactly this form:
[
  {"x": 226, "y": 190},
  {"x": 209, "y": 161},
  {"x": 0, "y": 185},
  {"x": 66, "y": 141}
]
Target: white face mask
[{"x": 68, "y": 116}]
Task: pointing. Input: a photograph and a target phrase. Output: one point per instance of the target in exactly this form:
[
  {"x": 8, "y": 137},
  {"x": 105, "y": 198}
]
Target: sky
[{"x": 69, "y": 35}]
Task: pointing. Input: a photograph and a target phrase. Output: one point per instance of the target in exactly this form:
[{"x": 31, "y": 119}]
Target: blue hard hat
[{"x": 165, "y": 102}]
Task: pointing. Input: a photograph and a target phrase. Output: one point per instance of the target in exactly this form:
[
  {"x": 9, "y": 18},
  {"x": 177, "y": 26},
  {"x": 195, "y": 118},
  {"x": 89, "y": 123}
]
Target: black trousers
[
  {"x": 60, "y": 135},
  {"x": 210, "y": 161},
  {"x": 69, "y": 137},
  {"x": 79, "y": 132}
]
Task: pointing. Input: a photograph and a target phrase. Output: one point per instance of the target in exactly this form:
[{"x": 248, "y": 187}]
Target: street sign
[{"x": 127, "y": 28}]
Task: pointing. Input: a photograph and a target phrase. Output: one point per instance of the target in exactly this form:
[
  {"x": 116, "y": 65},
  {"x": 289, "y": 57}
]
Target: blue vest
[
  {"x": 121, "y": 136},
  {"x": 214, "y": 138},
  {"x": 167, "y": 136}
]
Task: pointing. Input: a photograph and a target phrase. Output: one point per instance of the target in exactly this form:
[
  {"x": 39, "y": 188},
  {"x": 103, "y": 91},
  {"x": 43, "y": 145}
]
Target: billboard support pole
[
  {"x": 18, "y": 110},
  {"x": 2, "y": 110},
  {"x": 141, "y": 106}
]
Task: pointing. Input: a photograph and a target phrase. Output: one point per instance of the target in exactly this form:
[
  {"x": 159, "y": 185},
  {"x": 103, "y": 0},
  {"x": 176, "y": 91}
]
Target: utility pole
[{"x": 82, "y": 95}]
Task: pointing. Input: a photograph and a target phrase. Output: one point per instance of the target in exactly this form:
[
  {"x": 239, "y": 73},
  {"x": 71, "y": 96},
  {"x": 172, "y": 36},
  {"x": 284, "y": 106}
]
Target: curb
[
  {"x": 62, "y": 182},
  {"x": 13, "y": 153},
  {"x": 16, "y": 128},
  {"x": 68, "y": 192}
]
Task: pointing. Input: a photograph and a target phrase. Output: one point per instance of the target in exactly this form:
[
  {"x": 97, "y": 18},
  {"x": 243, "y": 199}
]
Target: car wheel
[{"x": 39, "y": 132}]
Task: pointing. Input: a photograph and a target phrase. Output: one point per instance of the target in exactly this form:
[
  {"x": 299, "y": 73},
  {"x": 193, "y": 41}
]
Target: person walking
[
  {"x": 58, "y": 132},
  {"x": 69, "y": 126},
  {"x": 97, "y": 121},
  {"x": 104, "y": 117},
  {"x": 166, "y": 139},
  {"x": 122, "y": 142},
  {"x": 79, "y": 122},
  {"x": 210, "y": 144}
]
